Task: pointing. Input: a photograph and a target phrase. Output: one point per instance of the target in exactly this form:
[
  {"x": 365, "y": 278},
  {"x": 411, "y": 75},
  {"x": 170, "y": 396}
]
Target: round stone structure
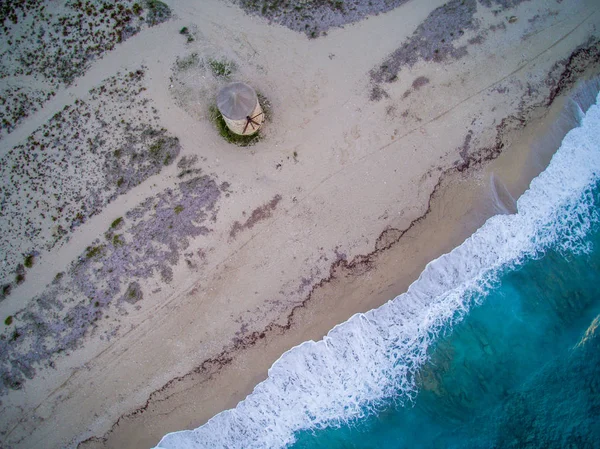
[{"x": 238, "y": 104}]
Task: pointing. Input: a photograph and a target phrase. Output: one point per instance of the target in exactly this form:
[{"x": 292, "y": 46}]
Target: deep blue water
[
  {"x": 518, "y": 372},
  {"x": 496, "y": 345}
]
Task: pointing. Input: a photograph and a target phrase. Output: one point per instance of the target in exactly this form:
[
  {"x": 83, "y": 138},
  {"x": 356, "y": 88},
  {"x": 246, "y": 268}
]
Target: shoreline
[
  {"x": 340, "y": 205},
  {"x": 366, "y": 282}
]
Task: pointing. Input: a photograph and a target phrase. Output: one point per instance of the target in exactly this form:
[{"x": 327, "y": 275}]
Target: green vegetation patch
[
  {"x": 8, "y": 321},
  {"x": 265, "y": 104},
  {"x": 29, "y": 260},
  {"x": 187, "y": 62},
  {"x": 160, "y": 150},
  {"x": 243, "y": 141},
  {"x": 158, "y": 12},
  {"x": 185, "y": 31},
  {"x": 117, "y": 223},
  {"x": 178, "y": 209},
  {"x": 117, "y": 240},
  {"x": 134, "y": 293},
  {"x": 94, "y": 251},
  {"x": 221, "y": 69},
  {"x": 137, "y": 9}
]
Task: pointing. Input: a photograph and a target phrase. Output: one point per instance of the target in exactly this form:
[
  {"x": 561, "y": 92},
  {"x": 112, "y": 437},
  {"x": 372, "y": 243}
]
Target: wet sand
[{"x": 377, "y": 158}]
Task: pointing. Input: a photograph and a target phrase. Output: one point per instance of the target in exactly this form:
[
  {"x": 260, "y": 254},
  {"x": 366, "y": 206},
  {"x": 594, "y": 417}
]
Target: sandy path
[{"x": 361, "y": 167}]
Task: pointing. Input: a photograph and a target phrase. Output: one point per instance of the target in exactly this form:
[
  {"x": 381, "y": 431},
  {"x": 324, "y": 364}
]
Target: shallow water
[
  {"x": 518, "y": 371},
  {"x": 488, "y": 348}
]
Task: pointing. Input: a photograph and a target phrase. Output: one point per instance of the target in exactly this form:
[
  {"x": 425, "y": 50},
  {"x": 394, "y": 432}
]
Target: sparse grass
[
  {"x": 93, "y": 251},
  {"x": 116, "y": 223},
  {"x": 117, "y": 240},
  {"x": 158, "y": 12},
  {"x": 231, "y": 137},
  {"x": 187, "y": 62},
  {"x": 221, "y": 69},
  {"x": 156, "y": 148},
  {"x": 178, "y": 209},
  {"x": 186, "y": 32},
  {"x": 29, "y": 259},
  {"x": 266, "y": 106},
  {"x": 8, "y": 321}
]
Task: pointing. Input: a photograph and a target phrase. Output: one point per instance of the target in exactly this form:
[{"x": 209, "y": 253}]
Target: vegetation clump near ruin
[
  {"x": 187, "y": 62},
  {"x": 216, "y": 117},
  {"x": 56, "y": 42},
  {"x": 218, "y": 121},
  {"x": 221, "y": 68},
  {"x": 117, "y": 223},
  {"x": 29, "y": 260}
]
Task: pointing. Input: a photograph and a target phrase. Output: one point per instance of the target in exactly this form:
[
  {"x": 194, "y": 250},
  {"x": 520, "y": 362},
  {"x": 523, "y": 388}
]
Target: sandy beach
[{"x": 152, "y": 272}]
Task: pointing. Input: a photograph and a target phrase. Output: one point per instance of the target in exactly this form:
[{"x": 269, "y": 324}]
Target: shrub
[
  {"x": 158, "y": 12},
  {"x": 221, "y": 69},
  {"x": 29, "y": 259}
]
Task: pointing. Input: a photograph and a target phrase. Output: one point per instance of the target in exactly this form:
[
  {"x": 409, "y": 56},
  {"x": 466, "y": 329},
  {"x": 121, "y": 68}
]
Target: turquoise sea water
[
  {"x": 496, "y": 345},
  {"x": 518, "y": 372}
]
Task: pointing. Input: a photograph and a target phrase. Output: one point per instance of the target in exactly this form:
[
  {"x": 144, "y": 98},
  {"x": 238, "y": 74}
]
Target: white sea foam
[{"x": 374, "y": 356}]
